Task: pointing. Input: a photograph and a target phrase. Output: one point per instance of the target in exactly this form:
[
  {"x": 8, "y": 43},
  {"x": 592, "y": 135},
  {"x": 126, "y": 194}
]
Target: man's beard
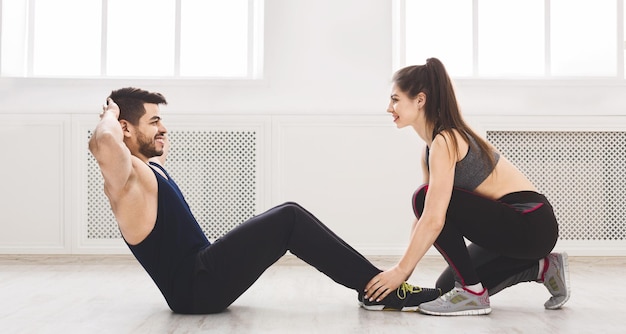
[{"x": 147, "y": 146}]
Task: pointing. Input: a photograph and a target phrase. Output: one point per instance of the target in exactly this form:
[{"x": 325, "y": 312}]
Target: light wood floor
[{"x": 112, "y": 294}]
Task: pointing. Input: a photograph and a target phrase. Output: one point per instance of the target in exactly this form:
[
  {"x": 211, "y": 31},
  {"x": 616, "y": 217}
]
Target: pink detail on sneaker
[{"x": 483, "y": 296}]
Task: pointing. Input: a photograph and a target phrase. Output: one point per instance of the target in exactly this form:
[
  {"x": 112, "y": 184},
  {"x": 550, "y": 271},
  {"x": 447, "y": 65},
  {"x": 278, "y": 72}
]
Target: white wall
[{"x": 325, "y": 89}]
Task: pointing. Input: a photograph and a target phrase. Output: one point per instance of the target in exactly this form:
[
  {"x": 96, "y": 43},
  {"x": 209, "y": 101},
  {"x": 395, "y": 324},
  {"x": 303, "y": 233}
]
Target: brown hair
[
  {"x": 131, "y": 102},
  {"x": 442, "y": 109}
]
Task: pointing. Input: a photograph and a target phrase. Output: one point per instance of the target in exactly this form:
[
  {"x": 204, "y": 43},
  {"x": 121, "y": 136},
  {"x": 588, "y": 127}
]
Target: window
[
  {"x": 131, "y": 38},
  {"x": 514, "y": 38}
]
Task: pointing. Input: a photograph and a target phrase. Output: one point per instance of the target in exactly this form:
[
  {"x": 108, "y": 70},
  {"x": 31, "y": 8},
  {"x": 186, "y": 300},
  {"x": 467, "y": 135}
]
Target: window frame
[
  {"x": 255, "y": 56},
  {"x": 619, "y": 79}
]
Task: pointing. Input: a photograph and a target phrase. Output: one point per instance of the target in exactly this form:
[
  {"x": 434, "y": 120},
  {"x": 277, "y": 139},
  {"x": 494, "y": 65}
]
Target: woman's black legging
[
  {"x": 507, "y": 236},
  {"x": 228, "y": 267}
]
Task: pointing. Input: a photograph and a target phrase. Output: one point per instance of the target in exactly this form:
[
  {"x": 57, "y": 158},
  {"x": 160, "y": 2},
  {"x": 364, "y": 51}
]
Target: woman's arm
[
  {"x": 425, "y": 171},
  {"x": 442, "y": 161}
]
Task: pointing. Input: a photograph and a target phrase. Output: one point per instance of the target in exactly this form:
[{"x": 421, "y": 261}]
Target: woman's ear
[{"x": 420, "y": 100}]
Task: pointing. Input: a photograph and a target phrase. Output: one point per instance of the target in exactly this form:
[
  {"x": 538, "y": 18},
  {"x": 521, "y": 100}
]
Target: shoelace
[
  {"x": 449, "y": 295},
  {"x": 405, "y": 288}
]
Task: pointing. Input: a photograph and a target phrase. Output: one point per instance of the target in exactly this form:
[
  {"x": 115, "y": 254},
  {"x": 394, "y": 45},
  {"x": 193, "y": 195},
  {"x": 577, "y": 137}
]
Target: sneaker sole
[
  {"x": 567, "y": 286},
  {"x": 385, "y": 308},
  {"x": 482, "y": 311}
]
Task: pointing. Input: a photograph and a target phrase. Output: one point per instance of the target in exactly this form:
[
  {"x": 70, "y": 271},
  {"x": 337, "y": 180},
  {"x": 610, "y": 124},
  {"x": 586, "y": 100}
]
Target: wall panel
[{"x": 34, "y": 184}]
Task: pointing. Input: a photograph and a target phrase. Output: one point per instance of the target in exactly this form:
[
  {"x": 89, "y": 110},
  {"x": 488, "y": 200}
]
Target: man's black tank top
[{"x": 168, "y": 253}]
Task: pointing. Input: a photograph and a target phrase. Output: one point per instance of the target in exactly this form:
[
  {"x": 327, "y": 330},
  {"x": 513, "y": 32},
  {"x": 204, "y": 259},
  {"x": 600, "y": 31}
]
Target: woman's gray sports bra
[{"x": 472, "y": 170}]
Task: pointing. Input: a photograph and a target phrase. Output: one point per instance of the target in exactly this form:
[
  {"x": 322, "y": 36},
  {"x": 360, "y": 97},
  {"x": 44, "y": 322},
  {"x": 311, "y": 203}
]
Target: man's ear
[{"x": 125, "y": 127}]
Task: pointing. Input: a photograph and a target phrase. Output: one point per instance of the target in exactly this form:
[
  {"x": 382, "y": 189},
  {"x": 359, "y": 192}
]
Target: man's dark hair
[{"x": 131, "y": 101}]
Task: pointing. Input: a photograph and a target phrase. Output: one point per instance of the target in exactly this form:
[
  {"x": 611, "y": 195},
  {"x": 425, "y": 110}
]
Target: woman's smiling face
[{"x": 403, "y": 109}]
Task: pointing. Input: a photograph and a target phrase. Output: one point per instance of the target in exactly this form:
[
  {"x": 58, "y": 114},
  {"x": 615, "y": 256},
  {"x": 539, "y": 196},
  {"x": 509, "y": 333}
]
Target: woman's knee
[{"x": 419, "y": 197}]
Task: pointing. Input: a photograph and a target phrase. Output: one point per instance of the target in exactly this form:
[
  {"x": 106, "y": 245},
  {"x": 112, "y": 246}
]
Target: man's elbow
[
  {"x": 101, "y": 139},
  {"x": 92, "y": 145}
]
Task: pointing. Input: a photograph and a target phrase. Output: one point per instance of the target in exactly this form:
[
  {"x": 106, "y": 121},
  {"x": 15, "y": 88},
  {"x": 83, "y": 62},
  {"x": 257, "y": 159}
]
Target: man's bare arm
[{"x": 107, "y": 146}]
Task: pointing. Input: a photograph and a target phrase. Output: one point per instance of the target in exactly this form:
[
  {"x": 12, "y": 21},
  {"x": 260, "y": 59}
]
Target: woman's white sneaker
[{"x": 556, "y": 279}]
